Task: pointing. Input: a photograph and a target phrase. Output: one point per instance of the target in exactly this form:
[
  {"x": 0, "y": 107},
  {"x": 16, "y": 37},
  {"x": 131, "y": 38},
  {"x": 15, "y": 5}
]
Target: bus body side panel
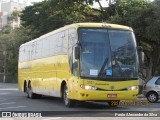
[{"x": 43, "y": 74}]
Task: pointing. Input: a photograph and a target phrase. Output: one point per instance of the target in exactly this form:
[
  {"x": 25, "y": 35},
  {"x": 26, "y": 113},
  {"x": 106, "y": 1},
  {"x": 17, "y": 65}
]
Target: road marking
[
  {"x": 4, "y": 93},
  {"x": 1, "y": 100},
  {"x": 7, "y": 119},
  {"x": 12, "y": 107},
  {"x": 7, "y": 103},
  {"x": 16, "y": 89},
  {"x": 55, "y": 118}
]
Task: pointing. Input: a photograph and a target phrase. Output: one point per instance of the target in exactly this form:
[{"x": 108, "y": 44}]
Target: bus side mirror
[
  {"x": 141, "y": 55},
  {"x": 77, "y": 52}
]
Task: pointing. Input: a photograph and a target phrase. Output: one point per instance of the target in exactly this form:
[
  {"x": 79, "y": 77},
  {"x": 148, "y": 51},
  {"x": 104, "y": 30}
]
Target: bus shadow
[
  {"x": 82, "y": 105},
  {"x": 89, "y": 105},
  {"x": 96, "y": 105}
]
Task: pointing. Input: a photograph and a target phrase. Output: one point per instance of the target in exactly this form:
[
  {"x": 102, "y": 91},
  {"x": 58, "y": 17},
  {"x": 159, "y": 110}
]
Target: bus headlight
[
  {"x": 133, "y": 88},
  {"x": 87, "y": 87}
]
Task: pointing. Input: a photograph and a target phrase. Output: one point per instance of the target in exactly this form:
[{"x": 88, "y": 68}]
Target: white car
[{"x": 152, "y": 89}]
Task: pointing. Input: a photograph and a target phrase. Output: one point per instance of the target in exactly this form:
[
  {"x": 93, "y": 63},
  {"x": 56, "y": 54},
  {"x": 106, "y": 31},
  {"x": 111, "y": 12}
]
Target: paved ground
[{"x": 16, "y": 103}]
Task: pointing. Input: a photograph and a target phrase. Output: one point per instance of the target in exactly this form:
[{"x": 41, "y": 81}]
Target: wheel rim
[
  {"x": 152, "y": 97},
  {"x": 65, "y": 95}
]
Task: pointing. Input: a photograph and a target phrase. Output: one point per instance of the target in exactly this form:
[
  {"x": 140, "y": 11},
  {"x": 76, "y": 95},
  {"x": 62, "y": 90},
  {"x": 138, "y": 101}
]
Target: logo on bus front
[{"x": 112, "y": 87}]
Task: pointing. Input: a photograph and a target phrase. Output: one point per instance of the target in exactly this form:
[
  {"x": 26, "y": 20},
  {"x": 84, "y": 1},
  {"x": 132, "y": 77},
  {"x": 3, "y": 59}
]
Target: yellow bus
[{"x": 81, "y": 62}]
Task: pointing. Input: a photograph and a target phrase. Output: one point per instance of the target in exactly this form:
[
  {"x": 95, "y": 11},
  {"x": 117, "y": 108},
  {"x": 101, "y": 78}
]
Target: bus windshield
[{"x": 108, "y": 53}]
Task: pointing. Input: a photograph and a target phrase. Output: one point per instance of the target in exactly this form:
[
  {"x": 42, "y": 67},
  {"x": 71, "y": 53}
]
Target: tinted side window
[
  {"x": 58, "y": 43},
  {"x": 21, "y": 58},
  {"x": 46, "y": 47},
  {"x": 38, "y": 49},
  {"x": 33, "y": 51},
  {"x": 28, "y": 52},
  {"x": 158, "y": 81},
  {"x": 53, "y": 49}
]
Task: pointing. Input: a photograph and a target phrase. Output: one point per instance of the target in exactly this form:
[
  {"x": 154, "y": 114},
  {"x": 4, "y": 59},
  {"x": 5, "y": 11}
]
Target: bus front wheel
[{"x": 68, "y": 102}]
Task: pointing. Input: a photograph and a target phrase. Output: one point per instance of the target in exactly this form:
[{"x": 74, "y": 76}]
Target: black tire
[
  {"x": 113, "y": 103},
  {"x": 68, "y": 102},
  {"x": 30, "y": 93},
  {"x": 25, "y": 87},
  {"x": 38, "y": 96},
  {"x": 152, "y": 97}
]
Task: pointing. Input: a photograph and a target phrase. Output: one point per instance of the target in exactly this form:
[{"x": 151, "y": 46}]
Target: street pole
[{"x": 4, "y": 75}]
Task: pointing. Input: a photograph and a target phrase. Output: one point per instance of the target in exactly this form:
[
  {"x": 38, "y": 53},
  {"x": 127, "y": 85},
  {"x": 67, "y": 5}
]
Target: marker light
[
  {"x": 133, "y": 88},
  {"x": 87, "y": 87}
]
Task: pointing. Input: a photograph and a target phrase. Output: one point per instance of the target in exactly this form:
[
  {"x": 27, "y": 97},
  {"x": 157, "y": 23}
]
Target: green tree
[
  {"x": 5, "y": 38},
  {"x": 19, "y": 36},
  {"x": 143, "y": 17},
  {"x": 6, "y": 29},
  {"x": 14, "y": 15},
  {"x": 48, "y": 15}
]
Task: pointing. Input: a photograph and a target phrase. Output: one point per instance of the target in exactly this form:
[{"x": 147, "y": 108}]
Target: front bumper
[{"x": 93, "y": 95}]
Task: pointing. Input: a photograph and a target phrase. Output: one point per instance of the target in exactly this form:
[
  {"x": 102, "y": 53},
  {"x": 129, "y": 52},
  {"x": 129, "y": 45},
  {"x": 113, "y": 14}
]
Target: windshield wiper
[{"x": 103, "y": 66}]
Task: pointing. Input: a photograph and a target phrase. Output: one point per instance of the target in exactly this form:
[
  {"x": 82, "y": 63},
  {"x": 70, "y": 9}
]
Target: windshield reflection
[
  {"x": 94, "y": 50},
  {"x": 124, "y": 57},
  {"x": 108, "y": 54}
]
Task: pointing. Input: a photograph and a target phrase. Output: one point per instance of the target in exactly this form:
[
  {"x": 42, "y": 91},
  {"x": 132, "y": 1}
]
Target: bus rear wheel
[
  {"x": 30, "y": 93},
  {"x": 68, "y": 102},
  {"x": 25, "y": 87}
]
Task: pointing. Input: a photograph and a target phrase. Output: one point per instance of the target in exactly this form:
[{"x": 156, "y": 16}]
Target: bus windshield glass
[{"x": 108, "y": 53}]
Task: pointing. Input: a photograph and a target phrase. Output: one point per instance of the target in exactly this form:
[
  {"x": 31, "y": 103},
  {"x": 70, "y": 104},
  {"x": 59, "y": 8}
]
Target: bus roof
[
  {"x": 102, "y": 25},
  {"x": 83, "y": 25}
]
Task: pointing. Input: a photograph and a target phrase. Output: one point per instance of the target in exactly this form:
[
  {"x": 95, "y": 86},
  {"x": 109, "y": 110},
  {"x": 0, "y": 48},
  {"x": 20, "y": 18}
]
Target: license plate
[{"x": 112, "y": 95}]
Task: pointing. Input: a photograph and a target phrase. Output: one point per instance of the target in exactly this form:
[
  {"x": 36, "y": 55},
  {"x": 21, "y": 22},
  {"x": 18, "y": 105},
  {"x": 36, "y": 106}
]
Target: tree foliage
[
  {"x": 48, "y": 15},
  {"x": 19, "y": 36},
  {"x": 143, "y": 16},
  {"x": 14, "y": 15},
  {"x": 52, "y": 14},
  {"x": 6, "y": 29}
]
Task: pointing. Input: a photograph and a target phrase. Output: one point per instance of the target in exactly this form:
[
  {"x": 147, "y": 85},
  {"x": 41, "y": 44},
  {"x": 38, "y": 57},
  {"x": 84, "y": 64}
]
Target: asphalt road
[{"x": 16, "y": 104}]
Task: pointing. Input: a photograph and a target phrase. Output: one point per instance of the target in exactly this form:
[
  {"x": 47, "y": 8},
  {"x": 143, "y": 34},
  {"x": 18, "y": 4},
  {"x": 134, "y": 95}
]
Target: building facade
[{"x": 6, "y": 9}]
